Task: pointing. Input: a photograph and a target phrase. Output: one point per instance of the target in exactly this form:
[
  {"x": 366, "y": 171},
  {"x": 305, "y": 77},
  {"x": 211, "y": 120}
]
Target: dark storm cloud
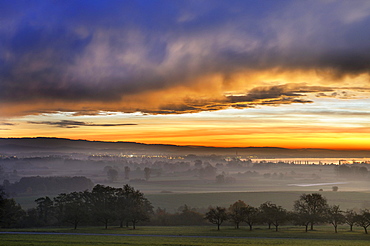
[
  {"x": 102, "y": 51},
  {"x": 285, "y": 93},
  {"x": 73, "y": 124},
  {"x": 272, "y": 96}
]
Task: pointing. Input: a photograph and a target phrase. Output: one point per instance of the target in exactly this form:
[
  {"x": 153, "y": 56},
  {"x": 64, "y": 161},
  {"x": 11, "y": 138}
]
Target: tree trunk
[
  {"x": 133, "y": 225},
  {"x": 306, "y": 227},
  {"x": 276, "y": 228},
  {"x": 269, "y": 225},
  {"x": 106, "y": 224},
  {"x": 218, "y": 227},
  {"x": 75, "y": 225},
  {"x": 311, "y": 226},
  {"x": 237, "y": 225},
  {"x": 350, "y": 227},
  {"x": 335, "y": 229},
  {"x": 121, "y": 224},
  {"x": 365, "y": 229},
  {"x": 250, "y": 227}
]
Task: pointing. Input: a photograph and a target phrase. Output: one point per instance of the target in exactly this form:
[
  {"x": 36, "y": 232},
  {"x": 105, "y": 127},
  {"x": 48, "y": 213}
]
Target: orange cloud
[{"x": 205, "y": 93}]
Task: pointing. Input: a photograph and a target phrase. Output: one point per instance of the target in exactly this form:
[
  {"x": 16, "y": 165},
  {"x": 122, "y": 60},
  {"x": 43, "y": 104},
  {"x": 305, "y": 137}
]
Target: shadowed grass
[
  {"x": 59, "y": 240},
  {"x": 260, "y": 232}
]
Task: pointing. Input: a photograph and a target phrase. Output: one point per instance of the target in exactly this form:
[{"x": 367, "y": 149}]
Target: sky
[{"x": 235, "y": 73}]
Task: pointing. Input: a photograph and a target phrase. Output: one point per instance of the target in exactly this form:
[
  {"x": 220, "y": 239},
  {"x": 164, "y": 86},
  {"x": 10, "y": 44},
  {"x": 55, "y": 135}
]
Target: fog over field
[{"x": 172, "y": 176}]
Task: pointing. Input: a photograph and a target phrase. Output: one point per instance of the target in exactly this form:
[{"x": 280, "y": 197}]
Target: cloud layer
[
  {"x": 74, "y": 124},
  {"x": 176, "y": 56}
]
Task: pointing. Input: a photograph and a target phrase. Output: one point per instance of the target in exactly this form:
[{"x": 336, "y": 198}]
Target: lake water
[{"x": 317, "y": 161}]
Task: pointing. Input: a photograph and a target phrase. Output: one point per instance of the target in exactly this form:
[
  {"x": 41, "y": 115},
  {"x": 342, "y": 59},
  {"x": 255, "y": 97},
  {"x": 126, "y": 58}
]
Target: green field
[
  {"x": 205, "y": 235},
  {"x": 129, "y": 240}
]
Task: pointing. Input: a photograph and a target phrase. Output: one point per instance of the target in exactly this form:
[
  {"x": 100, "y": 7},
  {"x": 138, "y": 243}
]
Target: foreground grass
[
  {"x": 177, "y": 235},
  {"x": 58, "y": 240}
]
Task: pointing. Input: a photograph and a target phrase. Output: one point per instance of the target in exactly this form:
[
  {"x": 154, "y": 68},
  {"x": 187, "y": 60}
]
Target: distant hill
[{"x": 41, "y": 146}]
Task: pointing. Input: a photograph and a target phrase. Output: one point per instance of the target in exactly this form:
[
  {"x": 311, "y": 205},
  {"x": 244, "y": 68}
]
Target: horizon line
[{"x": 176, "y": 145}]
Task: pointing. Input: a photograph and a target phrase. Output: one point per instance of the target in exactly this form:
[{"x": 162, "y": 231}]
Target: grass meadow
[
  {"x": 58, "y": 240},
  {"x": 192, "y": 235}
]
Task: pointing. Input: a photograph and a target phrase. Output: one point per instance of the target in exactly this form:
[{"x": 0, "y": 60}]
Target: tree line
[
  {"x": 309, "y": 210},
  {"x": 105, "y": 205},
  {"x": 102, "y": 205}
]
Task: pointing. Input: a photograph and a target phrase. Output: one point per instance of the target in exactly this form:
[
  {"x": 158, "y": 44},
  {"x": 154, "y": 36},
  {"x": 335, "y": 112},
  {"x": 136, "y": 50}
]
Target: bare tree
[
  {"x": 301, "y": 218},
  {"x": 312, "y": 206},
  {"x": 251, "y": 216},
  {"x": 278, "y": 215},
  {"x": 363, "y": 219},
  {"x": 350, "y": 218},
  {"x": 335, "y": 216},
  {"x": 266, "y": 213},
  {"x": 236, "y": 213},
  {"x": 216, "y": 216}
]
